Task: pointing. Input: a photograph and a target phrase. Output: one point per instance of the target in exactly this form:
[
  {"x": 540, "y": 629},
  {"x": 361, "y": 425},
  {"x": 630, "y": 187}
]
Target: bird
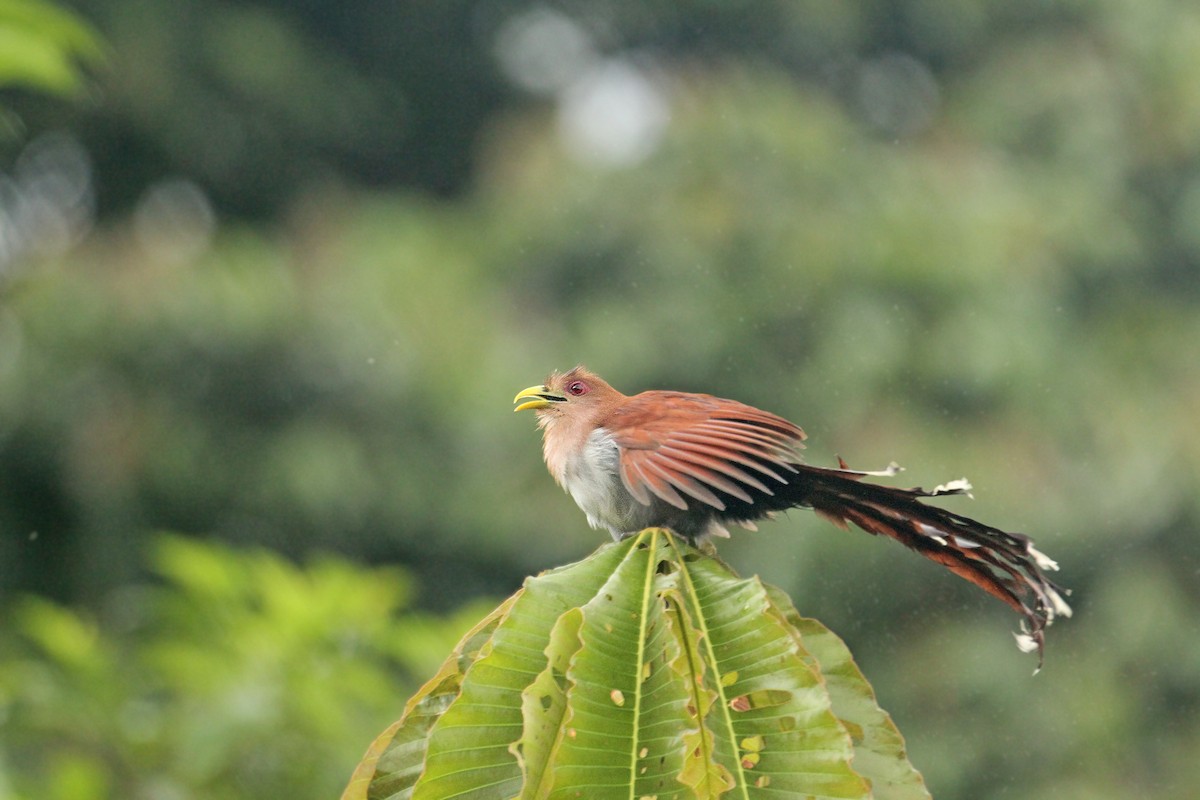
[{"x": 696, "y": 464}]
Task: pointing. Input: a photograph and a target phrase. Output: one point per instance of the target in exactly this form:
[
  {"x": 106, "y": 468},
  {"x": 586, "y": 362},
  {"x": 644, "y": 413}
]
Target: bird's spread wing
[{"x": 677, "y": 446}]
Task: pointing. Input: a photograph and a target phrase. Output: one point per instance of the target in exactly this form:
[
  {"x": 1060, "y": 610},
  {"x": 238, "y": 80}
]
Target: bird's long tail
[{"x": 1006, "y": 565}]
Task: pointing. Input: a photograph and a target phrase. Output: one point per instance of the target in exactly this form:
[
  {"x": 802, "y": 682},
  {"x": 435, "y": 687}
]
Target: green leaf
[
  {"x": 395, "y": 759},
  {"x": 647, "y": 670},
  {"x": 777, "y": 702},
  {"x": 701, "y": 771},
  {"x": 626, "y": 709},
  {"x": 41, "y": 46},
  {"x": 879, "y": 752},
  {"x": 469, "y": 751},
  {"x": 544, "y": 705}
]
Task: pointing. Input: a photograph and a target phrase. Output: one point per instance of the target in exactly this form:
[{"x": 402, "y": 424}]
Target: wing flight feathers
[{"x": 700, "y": 446}]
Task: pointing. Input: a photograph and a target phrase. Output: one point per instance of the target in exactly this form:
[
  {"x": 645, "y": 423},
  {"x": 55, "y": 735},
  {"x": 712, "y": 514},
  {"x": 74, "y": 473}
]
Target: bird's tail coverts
[{"x": 1006, "y": 565}]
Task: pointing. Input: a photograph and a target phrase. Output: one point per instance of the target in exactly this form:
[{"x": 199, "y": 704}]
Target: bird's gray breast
[{"x": 593, "y": 479}]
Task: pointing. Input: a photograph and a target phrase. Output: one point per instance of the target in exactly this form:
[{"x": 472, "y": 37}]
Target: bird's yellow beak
[{"x": 536, "y": 397}]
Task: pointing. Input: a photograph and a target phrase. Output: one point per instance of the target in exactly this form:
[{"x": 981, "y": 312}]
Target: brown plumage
[{"x": 695, "y": 463}]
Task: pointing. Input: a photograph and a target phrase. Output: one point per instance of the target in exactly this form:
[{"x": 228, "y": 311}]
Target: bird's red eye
[{"x": 577, "y": 388}]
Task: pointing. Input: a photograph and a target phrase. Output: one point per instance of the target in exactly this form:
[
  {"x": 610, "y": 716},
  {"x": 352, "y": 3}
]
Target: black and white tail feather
[{"x": 1004, "y": 564}]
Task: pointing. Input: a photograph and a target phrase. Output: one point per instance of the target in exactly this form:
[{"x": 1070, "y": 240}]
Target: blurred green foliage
[
  {"x": 966, "y": 238},
  {"x": 235, "y": 674},
  {"x": 42, "y": 46}
]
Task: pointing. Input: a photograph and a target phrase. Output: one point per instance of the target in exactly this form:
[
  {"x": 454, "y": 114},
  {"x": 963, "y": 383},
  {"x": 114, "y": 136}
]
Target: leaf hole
[
  {"x": 766, "y": 698},
  {"x": 665, "y": 567},
  {"x": 753, "y": 744}
]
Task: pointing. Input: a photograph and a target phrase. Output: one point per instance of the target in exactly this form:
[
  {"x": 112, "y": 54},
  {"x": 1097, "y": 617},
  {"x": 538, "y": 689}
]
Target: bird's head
[{"x": 577, "y": 393}]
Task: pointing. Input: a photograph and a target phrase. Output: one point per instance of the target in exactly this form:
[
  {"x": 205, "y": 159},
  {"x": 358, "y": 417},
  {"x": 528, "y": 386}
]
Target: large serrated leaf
[
  {"x": 702, "y": 772},
  {"x": 544, "y": 705},
  {"x": 626, "y": 712},
  {"x": 879, "y": 752},
  {"x": 394, "y": 761},
  {"x": 773, "y": 720},
  {"x": 647, "y": 670},
  {"x": 469, "y": 750}
]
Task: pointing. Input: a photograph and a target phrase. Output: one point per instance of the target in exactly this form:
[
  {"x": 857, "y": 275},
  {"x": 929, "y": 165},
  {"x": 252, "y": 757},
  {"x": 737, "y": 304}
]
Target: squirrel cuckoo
[{"x": 695, "y": 463}]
